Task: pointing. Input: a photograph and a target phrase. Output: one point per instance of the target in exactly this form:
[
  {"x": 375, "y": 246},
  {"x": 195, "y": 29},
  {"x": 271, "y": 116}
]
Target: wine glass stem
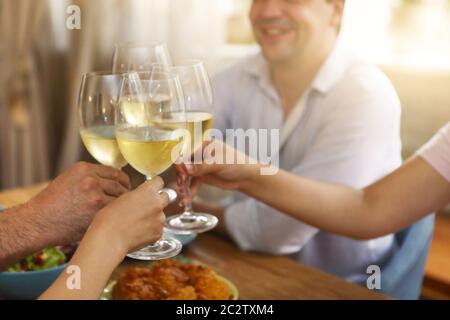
[
  {"x": 148, "y": 178},
  {"x": 188, "y": 205}
]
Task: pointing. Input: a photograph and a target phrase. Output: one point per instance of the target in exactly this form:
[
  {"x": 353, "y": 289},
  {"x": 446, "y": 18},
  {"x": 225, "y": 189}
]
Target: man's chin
[{"x": 276, "y": 56}]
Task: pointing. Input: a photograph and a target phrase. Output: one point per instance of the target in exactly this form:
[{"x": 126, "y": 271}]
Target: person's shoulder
[
  {"x": 365, "y": 86},
  {"x": 365, "y": 93},
  {"x": 365, "y": 78}
]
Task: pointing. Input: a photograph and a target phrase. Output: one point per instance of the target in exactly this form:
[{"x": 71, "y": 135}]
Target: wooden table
[
  {"x": 436, "y": 283},
  {"x": 255, "y": 275}
]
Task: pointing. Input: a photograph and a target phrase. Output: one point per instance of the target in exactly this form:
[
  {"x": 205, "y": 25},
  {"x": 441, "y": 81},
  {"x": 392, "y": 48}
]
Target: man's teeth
[{"x": 274, "y": 32}]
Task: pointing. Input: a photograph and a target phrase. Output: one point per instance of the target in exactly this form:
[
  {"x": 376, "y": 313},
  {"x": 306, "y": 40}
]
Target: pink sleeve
[{"x": 437, "y": 152}]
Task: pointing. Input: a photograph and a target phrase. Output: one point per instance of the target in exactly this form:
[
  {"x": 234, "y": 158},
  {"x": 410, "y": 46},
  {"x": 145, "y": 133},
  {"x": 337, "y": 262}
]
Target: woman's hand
[
  {"x": 125, "y": 225},
  {"x": 212, "y": 172},
  {"x": 135, "y": 219},
  {"x": 216, "y": 170}
]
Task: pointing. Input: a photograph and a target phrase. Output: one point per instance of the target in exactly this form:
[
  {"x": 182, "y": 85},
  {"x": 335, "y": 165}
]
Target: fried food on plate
[{"x": 171, "y": 280}]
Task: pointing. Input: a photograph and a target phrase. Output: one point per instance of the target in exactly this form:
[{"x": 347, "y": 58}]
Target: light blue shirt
[{"x": 346, "y": 130}]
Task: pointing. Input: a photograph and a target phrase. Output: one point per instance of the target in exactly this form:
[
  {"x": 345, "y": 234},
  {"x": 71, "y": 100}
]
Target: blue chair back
[{"x": 402, "y": 276}]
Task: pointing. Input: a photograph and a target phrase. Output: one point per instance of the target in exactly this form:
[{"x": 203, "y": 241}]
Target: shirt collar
[
  {"x": 259, "y": 69},
  {"x": 331, "y": 71}
]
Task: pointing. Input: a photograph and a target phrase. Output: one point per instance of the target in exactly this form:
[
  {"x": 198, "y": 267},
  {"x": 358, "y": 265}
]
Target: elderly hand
[{"x": 69, "y": 203}]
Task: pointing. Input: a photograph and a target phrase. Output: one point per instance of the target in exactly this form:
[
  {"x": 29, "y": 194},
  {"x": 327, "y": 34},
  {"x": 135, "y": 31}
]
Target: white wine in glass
[
  {"x": 149, "y": 147},
  {"x": 96, "y": 104},
  {"x": 101, "y": 143},
  {"x": 197, "y": 124},
  {"x": 199, "y": 116}
]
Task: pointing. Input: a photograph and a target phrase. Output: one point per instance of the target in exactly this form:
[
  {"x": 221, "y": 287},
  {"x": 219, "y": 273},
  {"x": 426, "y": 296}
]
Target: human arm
[
  {"x": 392, "y": 203},
  {"x": 61, "y": 213},
  {"x": 127, "y": 224}
]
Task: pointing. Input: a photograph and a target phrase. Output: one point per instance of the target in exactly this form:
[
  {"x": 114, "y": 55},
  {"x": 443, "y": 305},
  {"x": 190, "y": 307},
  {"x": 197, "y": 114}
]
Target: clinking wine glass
[
  {"x": 199, "y": 116},
  {"x": 147, "y": 100},
  {"x": 96, "y": 106}
]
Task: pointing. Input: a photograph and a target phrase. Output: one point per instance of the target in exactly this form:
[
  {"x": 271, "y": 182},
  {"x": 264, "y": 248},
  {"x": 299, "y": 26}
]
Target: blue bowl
[
  {"x": 185, "y": 239},
  {"x": 27, "y": 285}
]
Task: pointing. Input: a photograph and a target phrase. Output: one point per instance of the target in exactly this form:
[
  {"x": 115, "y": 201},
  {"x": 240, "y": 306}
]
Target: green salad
[{"x": 44, "y": 259}]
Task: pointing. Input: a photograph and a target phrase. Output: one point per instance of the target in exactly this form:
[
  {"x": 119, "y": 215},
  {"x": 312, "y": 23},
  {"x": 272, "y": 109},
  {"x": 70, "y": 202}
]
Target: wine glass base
[
  {"x": 162, "y": 249},
  {"x": 191, "y": 224}
]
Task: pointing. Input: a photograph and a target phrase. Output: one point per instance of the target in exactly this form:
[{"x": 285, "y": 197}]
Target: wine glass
[
  {"x": 96, "y": 105},
  {"x": 146, "y": 101},
  {"x": 139, "y": 57},
  {"x": 200, "y": 116}
]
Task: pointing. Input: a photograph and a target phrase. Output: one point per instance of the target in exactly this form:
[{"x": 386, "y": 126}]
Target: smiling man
[{"x": 339, "y": 120}]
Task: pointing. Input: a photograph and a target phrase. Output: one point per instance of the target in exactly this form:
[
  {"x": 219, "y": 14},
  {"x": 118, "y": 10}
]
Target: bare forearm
[
  {"x": 96, "y": 258},
  {"x": 22, "y": 232},
  {"x": 325, "y": 206},
  {"x": 406, "y": 195},
  {"x": 384, "y": 207}
]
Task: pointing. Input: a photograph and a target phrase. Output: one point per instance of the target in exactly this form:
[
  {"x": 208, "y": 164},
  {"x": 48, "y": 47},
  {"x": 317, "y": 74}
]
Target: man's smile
[{"x": 275, "y": 33}]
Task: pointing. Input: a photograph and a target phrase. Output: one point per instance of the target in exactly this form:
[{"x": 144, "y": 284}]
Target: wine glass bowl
[{"x": 97, "y": 101}]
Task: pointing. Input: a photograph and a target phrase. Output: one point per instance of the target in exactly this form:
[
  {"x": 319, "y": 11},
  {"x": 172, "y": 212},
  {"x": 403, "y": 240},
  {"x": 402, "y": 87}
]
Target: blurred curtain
[
  {"x": 84, "y": 48},
  {"x": 41, "y": 63},
  {"x": 22, "y": 123}
]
